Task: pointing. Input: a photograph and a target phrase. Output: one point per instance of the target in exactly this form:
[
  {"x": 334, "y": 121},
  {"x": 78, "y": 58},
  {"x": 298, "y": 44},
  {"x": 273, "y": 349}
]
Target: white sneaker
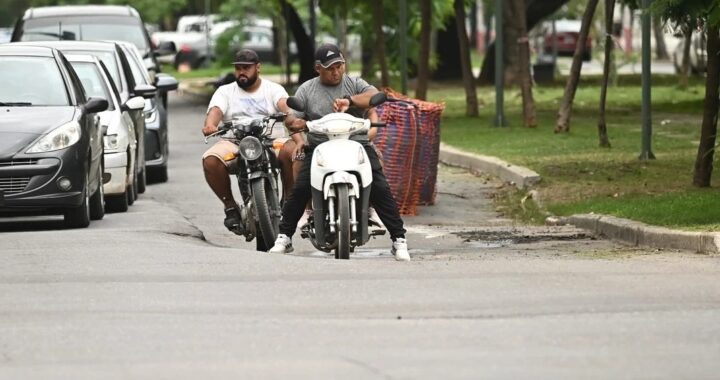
[
  {"x": 374, "y": 217},
  {"x": 283, "y": 244},
  {"x": 304, "y": 218},
  {"x": 400, "y": 250}
]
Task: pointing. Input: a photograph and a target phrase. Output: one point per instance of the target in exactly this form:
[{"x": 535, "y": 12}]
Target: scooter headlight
[
  {"x": 319, "y": 159},
  {"x": 250, "y": 148},
  {"x": 361, "y": 156}
]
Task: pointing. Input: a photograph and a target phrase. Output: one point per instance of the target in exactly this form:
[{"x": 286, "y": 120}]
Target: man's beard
[{"x": 248, "y": 82}]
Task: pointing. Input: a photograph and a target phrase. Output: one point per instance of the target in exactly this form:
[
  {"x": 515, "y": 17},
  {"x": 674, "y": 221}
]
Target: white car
[
  {"x": 698, "y": 54},
  {"x": 121, "y": 168}
]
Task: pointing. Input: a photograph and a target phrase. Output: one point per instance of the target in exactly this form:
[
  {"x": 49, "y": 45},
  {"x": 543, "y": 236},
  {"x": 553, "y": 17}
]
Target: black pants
[{"x": 380, "y": 197}]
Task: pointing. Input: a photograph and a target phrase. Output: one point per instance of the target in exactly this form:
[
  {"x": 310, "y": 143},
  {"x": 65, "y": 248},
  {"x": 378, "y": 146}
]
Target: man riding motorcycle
[
  {"x": 334, "y": 91},
  {"x": 253, "y": 97}
]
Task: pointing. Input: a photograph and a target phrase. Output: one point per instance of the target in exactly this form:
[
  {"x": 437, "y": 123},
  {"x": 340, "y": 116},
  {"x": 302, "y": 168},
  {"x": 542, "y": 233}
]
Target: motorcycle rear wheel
[{"x": 342, "y": 226}]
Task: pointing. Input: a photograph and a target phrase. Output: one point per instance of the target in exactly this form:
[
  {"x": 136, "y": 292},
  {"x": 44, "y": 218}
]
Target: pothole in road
[{"x": 496, "y": 239}]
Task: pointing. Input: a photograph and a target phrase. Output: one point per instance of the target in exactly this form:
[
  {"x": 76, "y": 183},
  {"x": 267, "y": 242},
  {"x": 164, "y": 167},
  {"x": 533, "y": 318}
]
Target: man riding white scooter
[{"x": 334, "y": 91}]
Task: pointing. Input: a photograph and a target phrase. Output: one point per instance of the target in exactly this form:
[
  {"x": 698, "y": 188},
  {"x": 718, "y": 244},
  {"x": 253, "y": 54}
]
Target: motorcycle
[
  {"x": 340, "y": 179},
  {"x": 257, "y": 171}
]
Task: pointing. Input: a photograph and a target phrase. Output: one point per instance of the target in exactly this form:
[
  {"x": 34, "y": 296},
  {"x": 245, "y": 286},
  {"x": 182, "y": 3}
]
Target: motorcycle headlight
[
  {"x": 59, "y": 138},
  {"x": 250, "y": 148}
]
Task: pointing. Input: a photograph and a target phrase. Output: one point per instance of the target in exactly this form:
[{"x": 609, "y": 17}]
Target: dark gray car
[{"x": 51, "y": 145}]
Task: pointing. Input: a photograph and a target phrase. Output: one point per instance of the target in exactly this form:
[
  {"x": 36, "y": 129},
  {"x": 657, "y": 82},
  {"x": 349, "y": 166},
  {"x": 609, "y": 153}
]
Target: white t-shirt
[{"x": 234, "y": 102}]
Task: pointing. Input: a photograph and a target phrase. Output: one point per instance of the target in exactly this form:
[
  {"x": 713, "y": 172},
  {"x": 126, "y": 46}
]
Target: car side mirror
[
  {"x": 95, "y": 105},
  {"x": 165, "y": 48},
  {"x": 145, "y": 90},
  {"x": 378, "y": 99},
  {"x": 165, "y": 82},
  {"x": 296, "y": 104},
  {"x": 133, "y": 104}
]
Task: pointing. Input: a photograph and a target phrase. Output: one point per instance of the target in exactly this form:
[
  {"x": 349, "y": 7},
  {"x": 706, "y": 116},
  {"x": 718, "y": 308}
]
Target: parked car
[
  {"x": 698, "y": 54},
  {"x": 5, "y": 35},
  {"x": 157, "y": 146},
  {"x": 121, "y": 169},
  {"x": 51, "y": 143},
  {"x": 117, "y": 62},
  {"x": 90, "y": 23},
  {"x": 567, "y": 33}
]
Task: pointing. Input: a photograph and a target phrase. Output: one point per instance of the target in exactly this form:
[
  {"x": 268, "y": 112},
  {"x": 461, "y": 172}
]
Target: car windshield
[
  {"x": 87, "y": 28},
  {"x": 31, "y": 81},
  {"x": 92, "y": 81},
  {"x": 108, "y": 58}
]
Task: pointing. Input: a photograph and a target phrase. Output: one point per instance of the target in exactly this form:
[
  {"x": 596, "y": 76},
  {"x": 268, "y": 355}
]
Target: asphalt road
[{"x": 163, "y": 291}]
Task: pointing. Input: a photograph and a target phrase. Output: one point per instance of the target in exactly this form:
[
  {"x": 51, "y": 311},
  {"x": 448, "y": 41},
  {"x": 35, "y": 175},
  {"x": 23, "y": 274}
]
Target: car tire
[
  {"x": 159, "y": 174},
  {"x": 97, "y": 200},
  {"x": 117, "y": 203},
  {"x": 79, "y": 217},
  {"x": 142, "y": 182}
]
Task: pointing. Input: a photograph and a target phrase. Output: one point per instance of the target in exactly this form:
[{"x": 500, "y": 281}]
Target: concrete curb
[
  {"x": 519, "y": 176},
  {"x": 191, "y": 87},
  {"x": 628, "y": 231}
]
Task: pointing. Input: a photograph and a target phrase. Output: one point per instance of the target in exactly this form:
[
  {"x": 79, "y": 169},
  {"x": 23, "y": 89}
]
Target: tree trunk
[
  {"x": 609, "y": 45},
  {"x": 685, "y": 71},
  {"x": 448, "y": 52},
  {"x": 306, "y": 55},
  {"x": 706, "y": 150},
  {"x": 537, "y": 10},
  {"x": 660, "y": 48},
  {"x": 368, "y": 48},
  {"x": 378, "y": 19},
  {"x": 563, "y": 122},
  {"x": 423, "y": 74},
  {"x": 468, "y": 77},
  {"x": 523, "y": 46}
]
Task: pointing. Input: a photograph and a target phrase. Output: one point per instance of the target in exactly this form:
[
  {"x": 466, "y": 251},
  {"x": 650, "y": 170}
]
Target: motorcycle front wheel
[
  {"x": 268, "y": 212},
  {"x": 343, "y": 222}
]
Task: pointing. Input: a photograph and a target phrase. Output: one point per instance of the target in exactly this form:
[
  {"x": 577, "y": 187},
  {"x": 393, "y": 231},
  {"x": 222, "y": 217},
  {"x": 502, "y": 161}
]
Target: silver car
[{"x": 121, "y": 167}]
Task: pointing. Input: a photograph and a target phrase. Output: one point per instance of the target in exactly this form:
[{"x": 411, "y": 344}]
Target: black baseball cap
[
  {"x": 327, "y": 54},
  {"x": 246, "y": 57}
]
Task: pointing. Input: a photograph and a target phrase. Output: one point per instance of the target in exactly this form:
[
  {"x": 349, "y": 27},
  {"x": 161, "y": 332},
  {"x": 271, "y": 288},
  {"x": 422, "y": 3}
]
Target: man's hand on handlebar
[
  {"x": 298, "y": 125},
  {"x": 209, "y": 129}
]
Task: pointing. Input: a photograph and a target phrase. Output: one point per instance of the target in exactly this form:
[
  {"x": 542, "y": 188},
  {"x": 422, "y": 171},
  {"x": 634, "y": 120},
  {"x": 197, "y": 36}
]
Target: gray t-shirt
[{"x": 318, "y": 99}]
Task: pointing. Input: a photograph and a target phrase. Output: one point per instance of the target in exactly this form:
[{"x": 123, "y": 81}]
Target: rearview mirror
[
  {"x": 296, "y": 104},
  {"x": 378, "y": 99},
  {"x": 136, "y": 103},
  {"x": 145, "y": 90},
  {"x": 165, "y": 82},
  {"x": 95, "y": 105}
]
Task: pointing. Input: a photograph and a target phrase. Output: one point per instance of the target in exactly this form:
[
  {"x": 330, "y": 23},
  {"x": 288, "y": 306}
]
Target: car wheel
[
  {"x": 97, "y": 200},
  {"x": 142, "y": 182},
  {"x": 79, "y": 217},
  {"x": 159, "y": 174}
]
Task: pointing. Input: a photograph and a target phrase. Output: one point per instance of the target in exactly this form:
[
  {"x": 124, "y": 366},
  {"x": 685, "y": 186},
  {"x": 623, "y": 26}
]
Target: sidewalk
[{"x": 628, "y": 231}]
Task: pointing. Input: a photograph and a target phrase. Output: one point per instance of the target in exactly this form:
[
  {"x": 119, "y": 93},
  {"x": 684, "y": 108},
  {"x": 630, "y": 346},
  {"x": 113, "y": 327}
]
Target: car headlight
[
  {"x": 59, "y": 138},
  {"x": 151, "y": 116},
  {"x": 115, "y": 143},
  {"x": 250, "y": 148}
]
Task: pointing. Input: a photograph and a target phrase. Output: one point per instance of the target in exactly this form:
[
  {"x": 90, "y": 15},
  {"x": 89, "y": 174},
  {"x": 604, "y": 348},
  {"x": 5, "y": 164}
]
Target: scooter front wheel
[{"x": 343, "y": 222}]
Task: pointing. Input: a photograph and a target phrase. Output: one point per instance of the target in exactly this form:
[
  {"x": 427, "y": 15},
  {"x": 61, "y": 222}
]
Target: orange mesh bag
[
  {"x": 397, "y": 142},
  {"x": 425, "y": 168}
]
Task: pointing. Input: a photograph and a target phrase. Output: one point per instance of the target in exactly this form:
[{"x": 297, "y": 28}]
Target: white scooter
[{"x": 340, "y": 178}]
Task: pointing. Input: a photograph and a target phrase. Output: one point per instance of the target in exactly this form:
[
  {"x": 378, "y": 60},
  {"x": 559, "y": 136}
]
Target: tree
[
  {"x": 306, "y": 55},
  {"x": 377, "y": 10},
  {"x": 424, "y": 58},
  {"x": 706, "y": 13},
  {"x": 523, "y": 67},
  {"x": 660, "y": 47},
  {"x": 536, "y": 11},
  {"x": 448, "y": 51},
  {"x": 464, "y": 53},
  {"x": 563, "y": 121},
  {"x": 609, "y": 45}
]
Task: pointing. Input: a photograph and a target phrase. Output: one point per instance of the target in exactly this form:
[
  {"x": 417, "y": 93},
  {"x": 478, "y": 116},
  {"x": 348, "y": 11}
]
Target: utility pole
[
  {"x": 646, "y": 153},
  {"x": 403, "y": 46},
  {"x": 207, "y": 34},
  {"x": 499, "y": 66}
]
